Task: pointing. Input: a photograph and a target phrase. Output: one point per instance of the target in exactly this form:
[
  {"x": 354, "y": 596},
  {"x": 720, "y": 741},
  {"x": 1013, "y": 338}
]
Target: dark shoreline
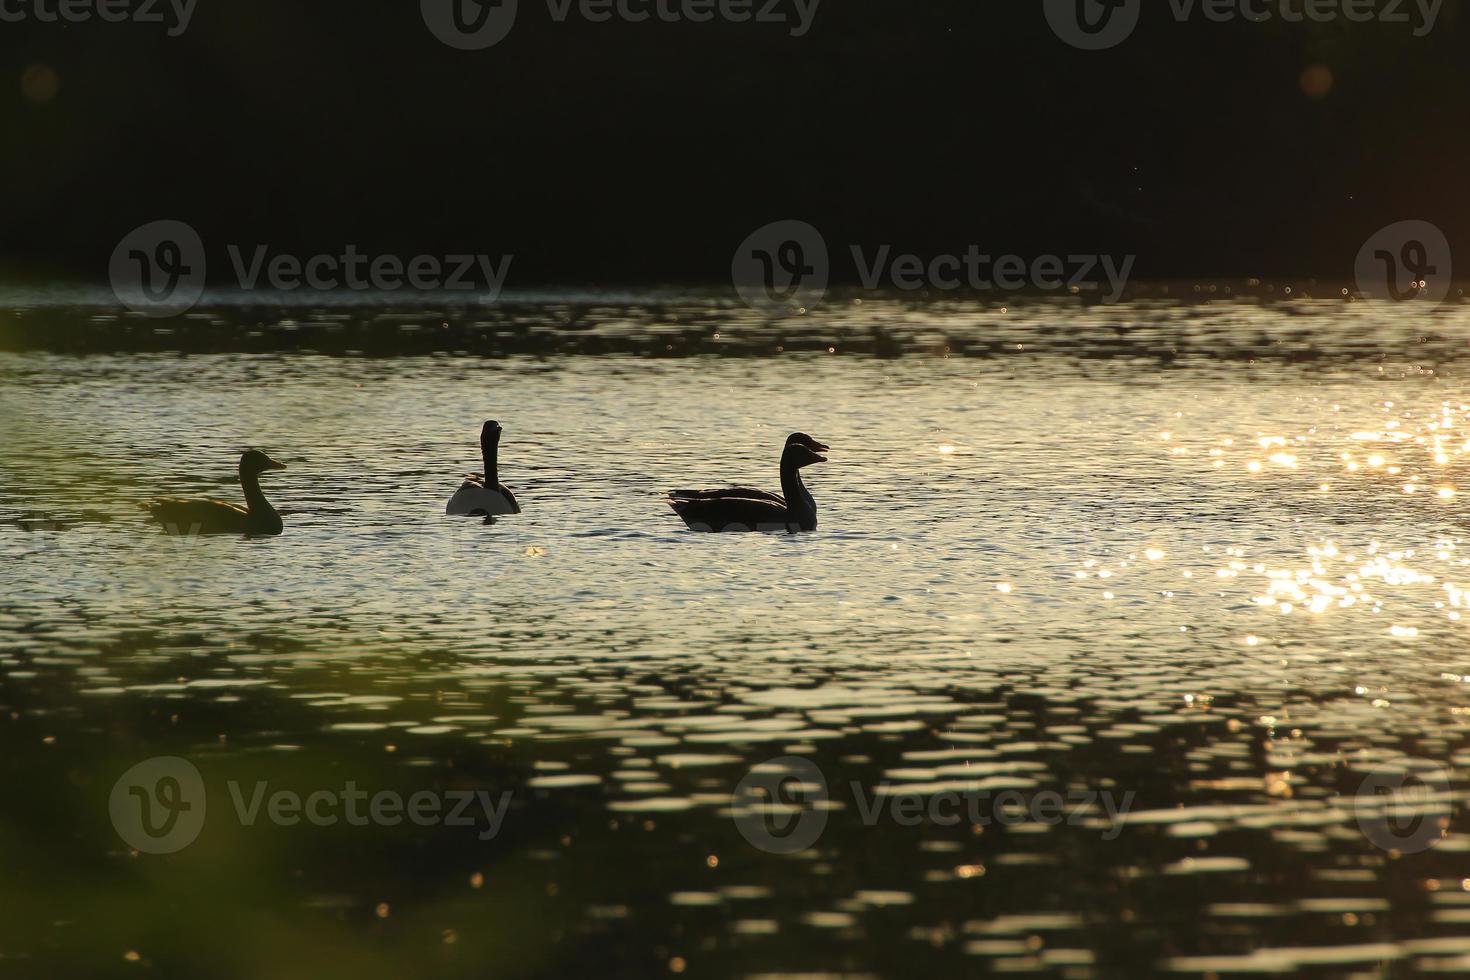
[{"x": 1164, "y": 324}]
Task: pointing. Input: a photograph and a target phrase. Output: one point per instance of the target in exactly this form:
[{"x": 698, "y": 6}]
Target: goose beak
[
  {"x": 275, "y": 465},
  {"x": 822, "y": 447},
  {"x": 822, "y": 459}
]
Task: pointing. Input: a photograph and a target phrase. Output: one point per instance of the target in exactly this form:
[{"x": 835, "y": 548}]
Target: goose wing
[
  {"x": 200, "y": 516},
  {"x": 731, "y": 493},
  {"x": 510, "y": 499},
  {"x": 467, "y": 499},
  {"x": 474, "y": 498}
]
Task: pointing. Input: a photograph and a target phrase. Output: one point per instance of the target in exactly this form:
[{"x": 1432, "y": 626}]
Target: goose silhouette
[
  {"x": 180, "y": 515},
  {"x": 484, "y": 494},
  {"x": 747, "y": 509}
]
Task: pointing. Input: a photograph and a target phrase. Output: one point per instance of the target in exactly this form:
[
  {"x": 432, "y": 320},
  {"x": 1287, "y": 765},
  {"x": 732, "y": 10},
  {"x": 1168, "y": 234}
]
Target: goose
[
  {"x": 484, "y": 495},
  {"x": 747, "y": 493},
  {"x": 207, "y": 516},
  {"x": 758, "y": 513}
]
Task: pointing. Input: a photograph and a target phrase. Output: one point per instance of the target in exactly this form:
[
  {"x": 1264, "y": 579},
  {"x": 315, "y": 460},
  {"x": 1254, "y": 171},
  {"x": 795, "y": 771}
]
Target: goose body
[
  {"x": 205, "y": 515},
  {"x": 750, "y": 493},
  {"x": 484, "y": 494},
  {"x": 729, "y": 493},
  {"x": 474, "y": 498},
  {"x": 727, "y": 511}
]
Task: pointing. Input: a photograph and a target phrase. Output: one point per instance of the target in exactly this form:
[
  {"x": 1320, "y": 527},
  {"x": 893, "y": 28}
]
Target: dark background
[{"x": 625, "y": 153}]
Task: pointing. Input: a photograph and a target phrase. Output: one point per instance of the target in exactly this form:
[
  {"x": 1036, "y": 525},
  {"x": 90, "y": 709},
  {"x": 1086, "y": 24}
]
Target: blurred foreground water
[{"x": 1122, "y": 626}]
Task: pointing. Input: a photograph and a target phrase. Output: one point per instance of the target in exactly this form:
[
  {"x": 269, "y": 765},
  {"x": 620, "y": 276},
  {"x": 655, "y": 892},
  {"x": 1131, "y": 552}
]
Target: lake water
[{"x": 1155, "y": 601}]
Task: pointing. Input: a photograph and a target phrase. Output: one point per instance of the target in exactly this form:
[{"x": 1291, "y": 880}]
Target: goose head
[
  {"x": 798, "y": 455},
  {"x": 490, "y": 433},
  {"x": 255, "y": 462},
  {"x": 802, "y": 439}
]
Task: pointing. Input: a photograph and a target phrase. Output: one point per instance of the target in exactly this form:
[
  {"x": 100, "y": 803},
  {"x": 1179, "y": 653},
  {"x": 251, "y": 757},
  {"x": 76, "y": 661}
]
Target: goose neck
[
  {"x": 255, "y": 501},
  {"x": 794, "y": 490},
  {"x": 490, "y": 451}
]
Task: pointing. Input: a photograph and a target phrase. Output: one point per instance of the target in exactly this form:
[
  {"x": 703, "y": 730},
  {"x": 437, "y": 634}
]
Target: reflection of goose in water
[
  {"x": 747, "y": 493},
  {"x": 208, "y": 516},
  {"x": 484, "y": 495},
  {"x": 743, "y": 509}
]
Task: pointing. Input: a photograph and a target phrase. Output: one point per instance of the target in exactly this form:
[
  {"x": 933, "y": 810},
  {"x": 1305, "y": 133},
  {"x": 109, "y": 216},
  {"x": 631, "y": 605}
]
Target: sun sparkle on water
[{"x": 1286, "y": 629}]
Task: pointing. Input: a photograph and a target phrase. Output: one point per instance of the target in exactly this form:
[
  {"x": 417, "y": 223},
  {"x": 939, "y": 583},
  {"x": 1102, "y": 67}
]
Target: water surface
[{"x": 1205, "y": 559}]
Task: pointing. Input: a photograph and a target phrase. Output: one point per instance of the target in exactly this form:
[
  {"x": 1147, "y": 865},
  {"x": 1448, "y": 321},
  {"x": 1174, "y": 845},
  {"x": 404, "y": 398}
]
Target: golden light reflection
[
  {"x": 1392, "y": 451},
  {"x": 1411, "y": 446}
]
